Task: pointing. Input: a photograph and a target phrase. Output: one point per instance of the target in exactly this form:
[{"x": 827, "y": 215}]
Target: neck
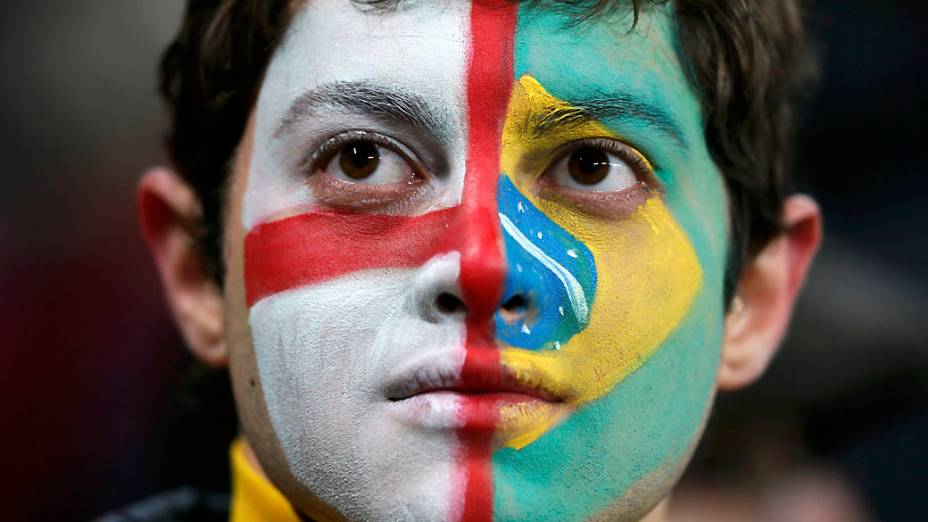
[{"x": 659, "y": 513}]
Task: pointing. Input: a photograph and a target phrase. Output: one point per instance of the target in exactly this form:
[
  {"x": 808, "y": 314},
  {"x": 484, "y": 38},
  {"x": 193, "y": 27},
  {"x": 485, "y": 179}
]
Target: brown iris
[
  {"x": 588, "y": 166},
  {"x": 359, "y": 159}
]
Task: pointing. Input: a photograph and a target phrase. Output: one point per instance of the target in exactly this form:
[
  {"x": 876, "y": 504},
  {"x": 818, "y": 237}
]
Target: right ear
[{"x": 170, "y": 213}]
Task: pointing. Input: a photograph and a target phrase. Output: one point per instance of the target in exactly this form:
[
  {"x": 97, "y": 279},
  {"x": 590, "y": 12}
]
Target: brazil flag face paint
[
  {"x": 641, "y": 370},
  {"x": 483, "y": 260}
]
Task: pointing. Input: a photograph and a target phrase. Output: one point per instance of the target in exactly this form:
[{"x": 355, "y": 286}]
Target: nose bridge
[
  {"x": 477, "y": 233},
  {"x": 478, "y": 238}
]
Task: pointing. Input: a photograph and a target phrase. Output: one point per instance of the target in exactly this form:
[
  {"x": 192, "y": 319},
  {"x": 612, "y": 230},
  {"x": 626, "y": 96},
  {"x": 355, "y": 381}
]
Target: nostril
[
  {"x": 448, "y": 303},
  {"x": 516, "y": 303},
  {"x": 514, "y": 308}
]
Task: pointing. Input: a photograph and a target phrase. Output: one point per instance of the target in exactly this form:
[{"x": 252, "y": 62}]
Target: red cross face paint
[
  {"x": 434, "y": 320},
  {"x": 373, "y": 261}
]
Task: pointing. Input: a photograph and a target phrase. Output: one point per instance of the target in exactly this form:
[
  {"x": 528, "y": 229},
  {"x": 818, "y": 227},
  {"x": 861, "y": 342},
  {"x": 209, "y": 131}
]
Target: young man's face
[{"x": 475, "y": 263}]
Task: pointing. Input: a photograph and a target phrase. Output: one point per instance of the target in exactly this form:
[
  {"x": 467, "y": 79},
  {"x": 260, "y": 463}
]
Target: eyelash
[
  {"x": 639, "y": 164},
  {"x": 318, "y": 160}
]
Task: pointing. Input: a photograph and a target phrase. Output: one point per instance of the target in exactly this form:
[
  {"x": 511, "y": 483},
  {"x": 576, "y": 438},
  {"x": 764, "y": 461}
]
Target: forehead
[
  {"x": 423, "y": 46},
  {"x": 420, "y": 47}
]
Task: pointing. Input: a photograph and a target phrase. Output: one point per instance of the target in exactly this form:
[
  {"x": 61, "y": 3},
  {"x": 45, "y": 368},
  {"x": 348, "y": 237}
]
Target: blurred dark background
[{"x": 93, "y": 412}]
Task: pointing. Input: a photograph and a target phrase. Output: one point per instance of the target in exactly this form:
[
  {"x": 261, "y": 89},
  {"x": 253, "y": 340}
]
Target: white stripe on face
[
  {"x": 329, "y": 356},
  {"x": 419, "y": 49}
]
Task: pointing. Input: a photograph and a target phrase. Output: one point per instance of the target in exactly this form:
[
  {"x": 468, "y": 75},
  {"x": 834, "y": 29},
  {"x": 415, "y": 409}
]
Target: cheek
[
  {"x": 626, "y": 286},
  {"x": 641, "y": 372},
  {"x": 322, "y": 351},
  {"x": 648, "y": 278},
  {"x": 316, "y": 352}
]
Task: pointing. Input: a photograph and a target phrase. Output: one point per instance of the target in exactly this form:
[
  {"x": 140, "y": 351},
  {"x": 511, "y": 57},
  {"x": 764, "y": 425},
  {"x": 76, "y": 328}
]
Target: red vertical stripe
[{"x": 489, "y": 83}]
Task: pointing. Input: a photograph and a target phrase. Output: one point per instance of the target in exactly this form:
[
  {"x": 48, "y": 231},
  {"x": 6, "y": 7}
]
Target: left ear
[{"x": 769, "y": 284}]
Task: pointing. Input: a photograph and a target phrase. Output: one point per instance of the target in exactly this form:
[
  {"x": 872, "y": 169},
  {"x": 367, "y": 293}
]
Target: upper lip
[{"x": 480, "y": 375}]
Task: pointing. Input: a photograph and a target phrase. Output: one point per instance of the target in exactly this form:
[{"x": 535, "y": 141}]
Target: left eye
[{"x": 594, "y": 169}]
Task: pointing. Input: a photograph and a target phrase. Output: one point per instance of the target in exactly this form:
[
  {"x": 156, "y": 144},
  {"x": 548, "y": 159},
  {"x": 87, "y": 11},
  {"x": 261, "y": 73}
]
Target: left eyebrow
[{"x": 603, "y": 108}]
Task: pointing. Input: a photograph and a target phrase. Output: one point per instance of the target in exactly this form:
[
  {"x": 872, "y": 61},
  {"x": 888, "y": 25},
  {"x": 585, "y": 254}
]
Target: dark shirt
[{"x": 180, "y": 505}]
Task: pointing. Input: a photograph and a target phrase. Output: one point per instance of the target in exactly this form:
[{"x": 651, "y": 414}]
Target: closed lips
[{"x": 481, "y": 376}]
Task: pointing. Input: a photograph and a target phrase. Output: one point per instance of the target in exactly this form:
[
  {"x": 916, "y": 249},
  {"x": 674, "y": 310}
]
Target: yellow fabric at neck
[{"x": 254, "y": 498}]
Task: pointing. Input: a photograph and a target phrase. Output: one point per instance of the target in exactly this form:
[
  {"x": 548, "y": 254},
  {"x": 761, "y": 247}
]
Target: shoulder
[{"x": 180, "y": 505}]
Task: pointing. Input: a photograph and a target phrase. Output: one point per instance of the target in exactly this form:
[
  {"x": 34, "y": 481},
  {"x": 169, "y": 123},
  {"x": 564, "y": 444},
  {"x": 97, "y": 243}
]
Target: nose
[
  {"x": 438, "y": 296},
  {"x": 511, "y": 273},
  {"x": 467, "y": 280}
]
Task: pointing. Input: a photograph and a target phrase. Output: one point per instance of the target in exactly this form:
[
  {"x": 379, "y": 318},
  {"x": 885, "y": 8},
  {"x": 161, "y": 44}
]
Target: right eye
[
  {"x": 362, "y": 171},
  {"x": 363, "y": 161}
]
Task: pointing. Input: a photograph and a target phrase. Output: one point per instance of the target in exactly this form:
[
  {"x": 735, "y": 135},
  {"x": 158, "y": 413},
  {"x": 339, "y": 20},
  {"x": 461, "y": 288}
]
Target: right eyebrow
[{"x": 379, "y": 101}]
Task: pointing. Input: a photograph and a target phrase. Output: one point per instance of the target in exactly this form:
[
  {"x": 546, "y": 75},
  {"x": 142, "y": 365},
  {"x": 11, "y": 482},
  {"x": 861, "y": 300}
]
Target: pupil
[
  {"x": 589, "y": 166},
  {"x": 359, "y": 159}
]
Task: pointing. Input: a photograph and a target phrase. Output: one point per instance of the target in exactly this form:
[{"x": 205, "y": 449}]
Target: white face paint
[{"x": 331, "y": 354}]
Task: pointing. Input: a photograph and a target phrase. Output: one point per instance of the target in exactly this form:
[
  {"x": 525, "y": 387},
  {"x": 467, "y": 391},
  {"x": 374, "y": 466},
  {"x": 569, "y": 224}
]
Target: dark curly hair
[{"x": 747, "y": 60}]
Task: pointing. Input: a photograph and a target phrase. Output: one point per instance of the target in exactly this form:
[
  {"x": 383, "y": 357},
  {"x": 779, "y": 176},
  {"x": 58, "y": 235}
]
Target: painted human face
[{"x": 482, "y": 255}]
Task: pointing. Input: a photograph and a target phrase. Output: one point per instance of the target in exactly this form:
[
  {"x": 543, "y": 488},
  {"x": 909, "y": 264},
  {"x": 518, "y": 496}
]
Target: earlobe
[
  {"x": 760, "y": 313},
  {"x": 169, "y": 213}
]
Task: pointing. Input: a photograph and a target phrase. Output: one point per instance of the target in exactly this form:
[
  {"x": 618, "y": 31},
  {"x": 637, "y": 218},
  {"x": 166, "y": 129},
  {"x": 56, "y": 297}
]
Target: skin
[{"x": 633, "y": 265}]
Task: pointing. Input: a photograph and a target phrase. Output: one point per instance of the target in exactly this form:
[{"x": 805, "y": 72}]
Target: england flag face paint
[{"x": 482, "y": 258}]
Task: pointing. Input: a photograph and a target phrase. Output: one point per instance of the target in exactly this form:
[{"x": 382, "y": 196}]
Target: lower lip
[{"x": 455, "y": 410}]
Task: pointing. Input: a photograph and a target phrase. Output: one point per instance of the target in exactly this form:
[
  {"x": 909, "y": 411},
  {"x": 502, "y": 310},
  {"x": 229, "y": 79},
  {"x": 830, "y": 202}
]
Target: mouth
[
  {"x": 472, "y": 391},
  {"x": 481, "y": 379}
]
